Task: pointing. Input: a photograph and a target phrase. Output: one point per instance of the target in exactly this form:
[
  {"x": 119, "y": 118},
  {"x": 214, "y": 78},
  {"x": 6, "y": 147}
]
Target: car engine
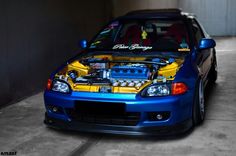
[{"x": 106, "y": 73}]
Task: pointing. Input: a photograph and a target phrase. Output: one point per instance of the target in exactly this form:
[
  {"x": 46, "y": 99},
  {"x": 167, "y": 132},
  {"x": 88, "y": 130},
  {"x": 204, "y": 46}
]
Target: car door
[{"x": 203, "y": 56}]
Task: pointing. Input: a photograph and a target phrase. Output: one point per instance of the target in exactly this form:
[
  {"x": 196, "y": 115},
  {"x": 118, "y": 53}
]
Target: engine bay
[{"x": 118, "y": 74}]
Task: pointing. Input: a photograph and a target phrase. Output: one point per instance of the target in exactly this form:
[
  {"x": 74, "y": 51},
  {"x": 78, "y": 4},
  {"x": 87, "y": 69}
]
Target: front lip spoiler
[{"x": 179, "y": 128}]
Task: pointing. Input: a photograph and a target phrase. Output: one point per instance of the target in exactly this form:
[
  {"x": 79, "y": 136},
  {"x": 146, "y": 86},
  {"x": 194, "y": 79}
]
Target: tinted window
[
  {"x": 198, "y": 34},
  {"x": 143, "y": 35}
]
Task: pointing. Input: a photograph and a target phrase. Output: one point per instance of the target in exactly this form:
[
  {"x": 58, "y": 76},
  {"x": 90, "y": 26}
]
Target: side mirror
[
  {"x": 206, "y": 43},
  {"x": 83, "y": 44}
]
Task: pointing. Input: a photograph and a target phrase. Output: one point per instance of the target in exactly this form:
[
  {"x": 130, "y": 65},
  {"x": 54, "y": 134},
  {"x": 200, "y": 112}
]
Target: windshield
[{"x": 143, "y": 35}]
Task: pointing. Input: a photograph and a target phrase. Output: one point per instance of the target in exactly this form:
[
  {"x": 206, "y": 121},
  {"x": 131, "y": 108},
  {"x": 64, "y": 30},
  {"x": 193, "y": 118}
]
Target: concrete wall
[
  {"x": 120, "y": 7},
  {"x": 217, "y": 16},
  {"x": 36, "y": 36}
]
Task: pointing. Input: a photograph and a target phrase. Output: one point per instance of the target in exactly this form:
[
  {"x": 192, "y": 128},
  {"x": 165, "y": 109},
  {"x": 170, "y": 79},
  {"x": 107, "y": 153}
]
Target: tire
[
  {"x": 199, "y": 104},
  {"x": 213, "y": 71}
]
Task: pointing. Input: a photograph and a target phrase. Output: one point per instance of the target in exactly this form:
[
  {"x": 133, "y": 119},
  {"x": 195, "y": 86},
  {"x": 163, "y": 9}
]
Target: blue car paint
[
  {"x": 206, "y": 43},
  {"x": 180, "y": 106}
]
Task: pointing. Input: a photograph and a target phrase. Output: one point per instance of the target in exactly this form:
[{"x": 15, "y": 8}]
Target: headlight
[
  {"x": 60, "y": 86},
  {"x": 158, "y": 90}
]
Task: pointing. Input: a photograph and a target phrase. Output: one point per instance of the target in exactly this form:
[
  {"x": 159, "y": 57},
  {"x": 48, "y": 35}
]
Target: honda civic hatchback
[{"x": 144, "y": 73}]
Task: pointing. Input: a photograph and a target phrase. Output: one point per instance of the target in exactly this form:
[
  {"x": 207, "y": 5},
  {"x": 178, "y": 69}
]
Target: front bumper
[
  {"x": 180, "y": 108},
  {"x": 179, "y": 128}
]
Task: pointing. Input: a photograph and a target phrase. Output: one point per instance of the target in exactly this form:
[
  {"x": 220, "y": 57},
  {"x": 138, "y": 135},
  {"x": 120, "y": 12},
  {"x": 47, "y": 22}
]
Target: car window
[
  {"x": 143, "y": 35},
  {"x": 198, "y": 34}
]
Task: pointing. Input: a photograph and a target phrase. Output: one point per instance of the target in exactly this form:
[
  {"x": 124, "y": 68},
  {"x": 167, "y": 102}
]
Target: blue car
[{"x": 143, "y": 74}]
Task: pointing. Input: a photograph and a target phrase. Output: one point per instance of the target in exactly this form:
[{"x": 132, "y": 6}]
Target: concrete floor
[{"x": 22, "y": 127}]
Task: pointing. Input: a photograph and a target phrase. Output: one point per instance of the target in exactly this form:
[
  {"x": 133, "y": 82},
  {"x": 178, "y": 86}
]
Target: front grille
[
  {"x": 103, "y": 113},
  {"x": 98, "y": 108}
]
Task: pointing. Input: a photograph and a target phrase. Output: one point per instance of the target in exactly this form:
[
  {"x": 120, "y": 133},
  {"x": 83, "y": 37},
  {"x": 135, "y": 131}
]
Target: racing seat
[
  {"x": 178, "y": 31},
  {"x": 133, "y": 36}
]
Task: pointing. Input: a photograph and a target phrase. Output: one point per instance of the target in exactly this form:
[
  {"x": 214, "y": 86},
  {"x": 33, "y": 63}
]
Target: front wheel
[{"x": 199, "y": 104}]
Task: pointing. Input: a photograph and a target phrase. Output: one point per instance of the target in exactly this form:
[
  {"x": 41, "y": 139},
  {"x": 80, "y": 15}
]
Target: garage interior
[{"x": 38, "y": 36}]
